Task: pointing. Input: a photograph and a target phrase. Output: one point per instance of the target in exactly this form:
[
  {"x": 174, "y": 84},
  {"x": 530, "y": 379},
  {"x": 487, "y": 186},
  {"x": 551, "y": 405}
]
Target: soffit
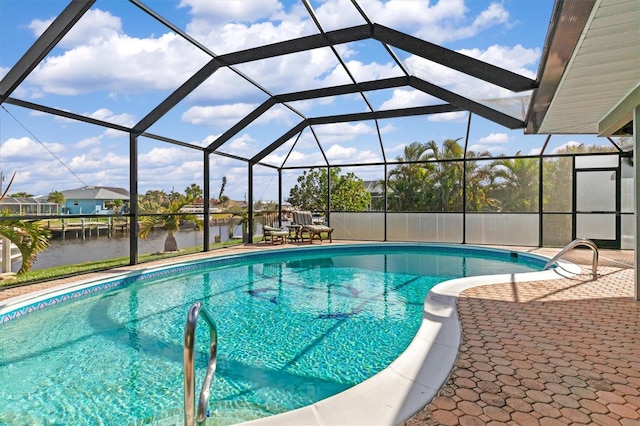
[{"x": 603, "y": 69}]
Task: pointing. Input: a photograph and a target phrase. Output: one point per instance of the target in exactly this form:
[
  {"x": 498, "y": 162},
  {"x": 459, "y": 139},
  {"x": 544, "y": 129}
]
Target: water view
[{"x": 76, "y": 250}]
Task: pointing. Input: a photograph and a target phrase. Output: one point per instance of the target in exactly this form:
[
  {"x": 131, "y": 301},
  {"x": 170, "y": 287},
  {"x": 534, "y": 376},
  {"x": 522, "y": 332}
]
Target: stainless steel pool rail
[
  {"x": 573, "y": 244},
  {"x": 190, "y": 418}
]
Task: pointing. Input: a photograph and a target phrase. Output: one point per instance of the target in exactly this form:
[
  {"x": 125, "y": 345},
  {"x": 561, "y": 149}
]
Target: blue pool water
[{"x": 294, "y": 327}]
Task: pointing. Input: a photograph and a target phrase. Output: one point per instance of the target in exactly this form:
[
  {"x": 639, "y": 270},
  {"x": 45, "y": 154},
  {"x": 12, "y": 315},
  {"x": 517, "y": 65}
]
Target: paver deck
[{"x": 557, "y": 352}]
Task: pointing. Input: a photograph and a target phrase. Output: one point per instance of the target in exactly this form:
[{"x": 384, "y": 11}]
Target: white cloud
[
  {"x": 26, "y": 147},
  {"x": 336, "y": 152},
  {"x": 238, "y": 11},
  {"x": 87, "y": 142},
  {"x": 221, "y": 115},
  {"x": 373, "y": 70},
  {"x": 350, "y": 155},
  {"x": 406, "y": 98},
  {"x": 448, "y": 116},
  {"x": 241, "y": 146},
  {"x": 494, "y": 138},
  {"x": 157, "y": 157},
  {"x": 119, "y": 64},
  {"x": 481, "y": 148},
  {"x": 94, "y": 25},
  {"x": 438, "y": 22},
  {"x": 570, "y": 144}
]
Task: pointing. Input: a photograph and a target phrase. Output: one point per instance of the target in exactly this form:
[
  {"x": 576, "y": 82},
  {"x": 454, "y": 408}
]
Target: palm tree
[
  {"x": 28, "y": 235},
  {"x": 407, "y": 184},
  {"x": 193, "y": 191},
  {"x": 56, "y": 197},
  {"x": 517, "y": 183},
  {"x": 479, "y": 183},
  {"x": 446, "y": 176},
  {"x": 167, "y": 217}
]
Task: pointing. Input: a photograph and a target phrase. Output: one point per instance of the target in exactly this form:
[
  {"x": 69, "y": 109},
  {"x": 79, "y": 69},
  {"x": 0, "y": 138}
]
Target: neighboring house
[
  {"x": 92, "y": 199},
  {"x": 34, "y": 206}
]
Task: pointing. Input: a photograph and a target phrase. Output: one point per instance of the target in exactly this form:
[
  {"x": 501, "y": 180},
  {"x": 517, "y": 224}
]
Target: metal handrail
[
  {"x": 575, "y": 243},
  {"x": 190, "y": 418}
]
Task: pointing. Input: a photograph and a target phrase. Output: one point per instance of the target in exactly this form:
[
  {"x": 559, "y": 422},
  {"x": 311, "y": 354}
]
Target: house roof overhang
[{"x": 589, "y": 75}]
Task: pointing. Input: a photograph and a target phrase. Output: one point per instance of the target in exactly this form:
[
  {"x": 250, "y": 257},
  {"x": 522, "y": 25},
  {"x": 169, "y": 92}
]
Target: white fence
[{"x": 481, "y": 228}]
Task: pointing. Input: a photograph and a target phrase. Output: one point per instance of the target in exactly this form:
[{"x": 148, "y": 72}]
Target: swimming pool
[{"x": 295, "y": 327}]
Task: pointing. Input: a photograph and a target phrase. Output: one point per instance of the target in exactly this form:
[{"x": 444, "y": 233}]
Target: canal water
[{"x": 76, "y": 250}]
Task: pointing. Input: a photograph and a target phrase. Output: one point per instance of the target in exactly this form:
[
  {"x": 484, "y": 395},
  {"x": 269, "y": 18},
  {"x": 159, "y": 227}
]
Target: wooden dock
[{"x": 83, "y": 228}]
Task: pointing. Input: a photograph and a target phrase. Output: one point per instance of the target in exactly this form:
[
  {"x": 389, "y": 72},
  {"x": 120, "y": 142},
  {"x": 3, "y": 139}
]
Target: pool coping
[{"x": 389, "y": 397}]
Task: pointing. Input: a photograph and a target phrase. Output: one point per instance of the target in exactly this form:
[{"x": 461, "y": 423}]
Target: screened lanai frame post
[
  {"x": 464, "y": 180},
  {"x": 279, "y": 197},
  {"x": 328, "y": 218},
  {"x": 205, "y": 202},
  {"x": 541, "y": 192},
  {"x": 249, "y": 237},
  {"x": 133, "y": 199},
  {"x": 385, "y": 206}
]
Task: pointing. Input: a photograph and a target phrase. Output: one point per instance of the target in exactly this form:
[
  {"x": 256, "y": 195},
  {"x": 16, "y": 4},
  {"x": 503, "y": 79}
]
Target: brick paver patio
[{"x": 547, "y": 353}]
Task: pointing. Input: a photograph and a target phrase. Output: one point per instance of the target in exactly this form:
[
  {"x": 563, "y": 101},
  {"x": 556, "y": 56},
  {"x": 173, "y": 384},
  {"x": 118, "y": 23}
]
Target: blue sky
[{"x": 118, "y": 63}]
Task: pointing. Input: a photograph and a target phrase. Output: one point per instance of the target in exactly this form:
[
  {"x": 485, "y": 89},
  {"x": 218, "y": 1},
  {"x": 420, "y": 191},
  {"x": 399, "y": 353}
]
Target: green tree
[
  {"x": 445, "y": 176},
  {"x": 155, "y": 196},
  {"x": 169, "y": 218},
  {"x": 479, "y": 183},
  {"x": 348, "y": 192},
  {"x": 29, "y": 236},
  {"x": 21, "y": 195},
  {"x": 114, "y": 204},
  {"x": 56, "y": 197},
  {"x": 194, "y": 191},
  {"x": 408, "y": 188},
  {"x": 175, "y": 195},
  {"x": 516, "y": 183}
]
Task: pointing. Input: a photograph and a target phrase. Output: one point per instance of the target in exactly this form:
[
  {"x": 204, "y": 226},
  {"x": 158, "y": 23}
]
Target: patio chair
[
  {"x": 304, "y": 219},
  {"x": 270, "y": 233}
]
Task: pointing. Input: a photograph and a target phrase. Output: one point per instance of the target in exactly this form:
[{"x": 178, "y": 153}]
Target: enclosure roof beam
[
  {"x": 43, "y": 45},
  {"x": 451, "y": 59},
  {"x": 467, "y": 104},
  {"x": 66, "y": 114},
  {"x": 237, "y": 128},
  {"x": 345, "y": 89},
  {"x": 394, "y": 113},
  {"x": 282, "y": 139},
  {"x": 257, "y": 53},
  {"x": 386, "y": 83},
  {"x": 344, "y": 118}
]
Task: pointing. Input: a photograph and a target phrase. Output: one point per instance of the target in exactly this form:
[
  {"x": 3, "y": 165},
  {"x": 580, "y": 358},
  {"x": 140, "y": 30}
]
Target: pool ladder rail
[
  {"x": 573, "y": 244},
  {"x": 190, "y": 417}
]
